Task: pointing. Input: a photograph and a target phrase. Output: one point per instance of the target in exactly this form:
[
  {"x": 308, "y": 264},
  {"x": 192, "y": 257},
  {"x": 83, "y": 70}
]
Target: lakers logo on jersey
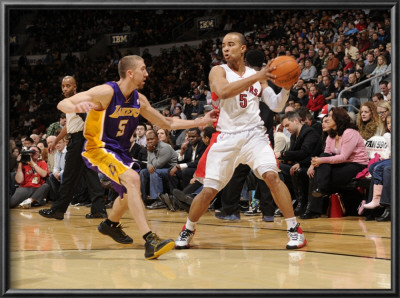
[
  {"x": 112, "y": 169},
  {"x": 121, "y": 111}
]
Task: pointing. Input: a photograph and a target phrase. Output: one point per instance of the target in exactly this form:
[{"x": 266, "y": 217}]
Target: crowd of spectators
[{"x": 335, "y": 50}]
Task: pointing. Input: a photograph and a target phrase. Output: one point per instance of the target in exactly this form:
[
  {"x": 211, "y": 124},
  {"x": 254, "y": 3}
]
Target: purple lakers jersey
[{"x": 113, "y": 127}]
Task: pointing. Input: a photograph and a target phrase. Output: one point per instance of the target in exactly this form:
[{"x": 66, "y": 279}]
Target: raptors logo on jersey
[{"x": 241, "y": 112}]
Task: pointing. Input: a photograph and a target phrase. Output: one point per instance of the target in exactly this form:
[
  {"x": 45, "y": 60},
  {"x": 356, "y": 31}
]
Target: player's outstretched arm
[
  {"x": 151, "y": 114},
  {"x": 220, "y": 85},
  {"x": 95, "y": 98}
]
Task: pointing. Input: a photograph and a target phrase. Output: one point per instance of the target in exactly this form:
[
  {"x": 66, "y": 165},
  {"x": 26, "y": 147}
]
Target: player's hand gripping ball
[{"x": 287, "y": 71}]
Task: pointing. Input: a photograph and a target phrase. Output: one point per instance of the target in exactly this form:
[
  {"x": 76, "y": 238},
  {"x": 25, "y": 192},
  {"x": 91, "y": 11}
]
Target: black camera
[{"x": 26, "y": 156}]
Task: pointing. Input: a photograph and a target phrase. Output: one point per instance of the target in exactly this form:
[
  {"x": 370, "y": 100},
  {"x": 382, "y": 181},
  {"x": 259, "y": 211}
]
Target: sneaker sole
[
  {"x": 252, "y": 214},
  {"x": 98, "y": 229},
  {"x": 182, "y": 247},
  {"x": 166, "y": 248},
  {"x": 298, "y": 246},
  {"x": 55, "y": 217},
  {"x": 228, "y": 219}
]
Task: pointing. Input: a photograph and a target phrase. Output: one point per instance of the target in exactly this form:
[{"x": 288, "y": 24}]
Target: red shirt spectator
[{"x": 316, "y": 101}]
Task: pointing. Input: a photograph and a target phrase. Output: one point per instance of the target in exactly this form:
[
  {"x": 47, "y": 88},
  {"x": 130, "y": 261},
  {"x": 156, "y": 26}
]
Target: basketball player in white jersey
[{"x": 242, "y": 139}]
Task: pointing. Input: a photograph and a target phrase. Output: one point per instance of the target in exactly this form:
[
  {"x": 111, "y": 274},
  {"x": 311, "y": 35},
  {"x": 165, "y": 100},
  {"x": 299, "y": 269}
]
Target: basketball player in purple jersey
[{"x": 113, "y": 110}]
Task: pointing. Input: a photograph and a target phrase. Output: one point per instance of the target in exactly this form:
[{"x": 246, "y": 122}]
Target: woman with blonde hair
[
  {"x": 383, "y": 108},
  {"x": 381, "y": 67},
  {"x": 368, "y": 121}
]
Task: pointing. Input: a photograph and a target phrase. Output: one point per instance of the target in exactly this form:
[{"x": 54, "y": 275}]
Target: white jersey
[{"x": 242, "y": 112}]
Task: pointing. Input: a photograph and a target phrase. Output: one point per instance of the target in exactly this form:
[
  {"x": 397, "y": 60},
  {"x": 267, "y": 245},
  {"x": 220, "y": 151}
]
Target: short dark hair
[
  {"x": 255, "y": 58},
  {"x": 378, "y": 95},
  {"x": 142, "y": 124},
  {"x": 29, "y": 139},
  {"x": 291, "y": 116},
  {"x": 152, "y": 131},
  {"x": 304, "y": 113},
  {"x": 208, "y": 131},
  {"x": 196, "y": 129}
]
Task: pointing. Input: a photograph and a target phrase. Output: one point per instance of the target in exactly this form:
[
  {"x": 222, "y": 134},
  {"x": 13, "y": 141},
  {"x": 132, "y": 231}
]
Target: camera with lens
[{"x": 26, "y": 156}]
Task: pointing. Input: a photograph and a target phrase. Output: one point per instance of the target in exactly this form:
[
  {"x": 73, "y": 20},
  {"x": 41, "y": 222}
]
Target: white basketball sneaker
[
  {"x": 296, "y": 238},
  {"x": 184, "y": 238}
]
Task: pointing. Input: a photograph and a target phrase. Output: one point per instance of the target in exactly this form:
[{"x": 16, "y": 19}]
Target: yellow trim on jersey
[
  {"x": 106, "y": 162},
  {"x": 94, "y": 129}
]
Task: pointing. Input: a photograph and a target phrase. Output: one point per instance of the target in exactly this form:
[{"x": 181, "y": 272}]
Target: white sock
[
  {"x": 291, "y": 222},
  {"x": 190, "y": 225}
]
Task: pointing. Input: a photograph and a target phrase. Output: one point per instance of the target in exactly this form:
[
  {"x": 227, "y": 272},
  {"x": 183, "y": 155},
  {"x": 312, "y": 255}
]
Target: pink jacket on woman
[{"x": 351, "y": 148}]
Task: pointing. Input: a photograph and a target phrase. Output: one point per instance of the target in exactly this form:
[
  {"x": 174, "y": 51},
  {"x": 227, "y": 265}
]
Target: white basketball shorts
[{"x": 231, "y": 149}]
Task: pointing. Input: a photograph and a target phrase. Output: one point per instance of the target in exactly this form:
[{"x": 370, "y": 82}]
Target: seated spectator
[
  {"x": 161, "y": 157},
  {"x": 187, "y": 107},
  {"x": 363, "y": 42},
  {"x": 141, "y": 134},
  {"x": 198, "y": 108},
  {"x": 378, "y": 179},
  {"x": 359, "y": 76},
  {"x": 166, "y": 112},
  {"x": 307, "y": 118},
  {"x": 370, "y": 63},
  {"x": 328, "y": 90},
  {"x": 339, "y": 87},
  {"x": 31, "y": 174},
  {"x": 305, "y": 142},
  {"x": 381, "y": 68},
  {"x": 163, "y": 135},
  {"x": 138, "y": 153},
  {"x": 174, "y": 103},
  {"x": 35, "y": 138},
  {"x": 293, "y": 91},
  {"x": 42, "y": 144},
  {"x": 315, "y": 102},
  {"x": 351, "y": 30},
  {"x": 281, "y": 140},
  {"x": 350, "y": 50},
  {"x": 383, "y": 85},
  {"x": 377, "y": 98},
  {"x": 27, "y": 142},
  {"x": 340, "y": 76},
  {"x": 55, "y": 178},
  {"x": 302, "y": 97},
  {"x": 182, "y": 199},
  {"x": 178, "y": 111},
  {"x": 56, "y": 127},
  {"x": 348, "y": 64},
  {"x": 332, "y": 63},
  {"x": 309, "y": 71},
  {"x": 344, "y": 156},
  {"x": 350, "y": 94},
  {"x": 321, "y": 60},
  {"x": 189, "y": 156},
  {"x": 368, "y": 121},
  {"x": 50, "y": 156},
  {"x": 384, "y": 109}
]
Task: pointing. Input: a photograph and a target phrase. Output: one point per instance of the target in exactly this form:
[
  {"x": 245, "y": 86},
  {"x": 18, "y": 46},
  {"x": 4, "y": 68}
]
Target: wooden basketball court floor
[{"x": 343, "y": 253}]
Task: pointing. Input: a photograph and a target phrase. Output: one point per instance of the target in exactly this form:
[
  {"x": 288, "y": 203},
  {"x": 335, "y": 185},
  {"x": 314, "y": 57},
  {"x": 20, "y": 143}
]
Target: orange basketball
[{"x": 287, "y": 71}]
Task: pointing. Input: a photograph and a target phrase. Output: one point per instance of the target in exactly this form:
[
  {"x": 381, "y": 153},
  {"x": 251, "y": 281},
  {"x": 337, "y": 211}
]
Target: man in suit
[
  {"x": 304, "y": 144},
  {"x": 191, "y": 151}
]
